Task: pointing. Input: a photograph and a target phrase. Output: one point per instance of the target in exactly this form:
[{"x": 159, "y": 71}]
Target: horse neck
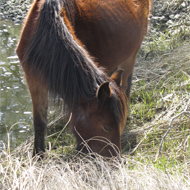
[{"x": 56, "y": 55}]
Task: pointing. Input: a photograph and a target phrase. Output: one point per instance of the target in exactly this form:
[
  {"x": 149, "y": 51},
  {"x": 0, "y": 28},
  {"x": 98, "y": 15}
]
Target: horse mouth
[{"x": 101, "y": 147}]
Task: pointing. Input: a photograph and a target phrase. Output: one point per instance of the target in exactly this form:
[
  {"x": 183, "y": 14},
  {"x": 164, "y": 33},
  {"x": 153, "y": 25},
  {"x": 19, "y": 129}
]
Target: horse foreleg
[
  {"x": 39, "y": 97},
  {"x": 127, "y": 66},
  {"x": 129, "y": 83}
]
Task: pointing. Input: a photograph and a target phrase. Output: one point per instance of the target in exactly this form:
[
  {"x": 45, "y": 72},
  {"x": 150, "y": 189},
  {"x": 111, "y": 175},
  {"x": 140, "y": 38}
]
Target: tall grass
[{"x": 55, "y": 172}]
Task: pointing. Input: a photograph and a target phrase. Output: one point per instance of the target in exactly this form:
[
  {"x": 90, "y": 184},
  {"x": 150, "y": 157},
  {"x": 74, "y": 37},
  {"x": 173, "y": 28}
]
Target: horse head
[{"x": 97, "y": 125}]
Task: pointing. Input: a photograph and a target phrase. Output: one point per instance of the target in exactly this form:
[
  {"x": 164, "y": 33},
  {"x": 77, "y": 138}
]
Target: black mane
[{"x": 55, "y": 55}]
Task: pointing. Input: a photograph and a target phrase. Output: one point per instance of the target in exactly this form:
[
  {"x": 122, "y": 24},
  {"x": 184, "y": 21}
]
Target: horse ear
[
  {"x": 103, "y": 93},
  {"x": 117, "y": 76}
]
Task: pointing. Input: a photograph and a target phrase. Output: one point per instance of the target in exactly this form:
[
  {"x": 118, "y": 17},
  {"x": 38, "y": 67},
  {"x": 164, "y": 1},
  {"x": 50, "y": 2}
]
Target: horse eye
[{"x": 107, "y": 129}]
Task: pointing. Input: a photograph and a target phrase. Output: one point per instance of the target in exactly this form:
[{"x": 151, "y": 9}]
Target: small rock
[
  {"x": 171, "y": 16},
  {"x": 187, "y": 23},
  {"x": 177, "y": 16},
  {"x": 183, "y": 5},
  {"x": 169, "y": 23},
  {"x": 163, "y": 19}
]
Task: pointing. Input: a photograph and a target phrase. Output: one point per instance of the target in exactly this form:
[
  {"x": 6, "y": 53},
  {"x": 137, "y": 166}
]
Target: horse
[{"x": 84, "y": 53}]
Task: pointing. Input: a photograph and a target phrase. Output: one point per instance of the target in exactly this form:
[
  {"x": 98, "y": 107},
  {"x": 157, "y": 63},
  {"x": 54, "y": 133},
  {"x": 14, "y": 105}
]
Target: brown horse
[{"x": 63, "y": 48}]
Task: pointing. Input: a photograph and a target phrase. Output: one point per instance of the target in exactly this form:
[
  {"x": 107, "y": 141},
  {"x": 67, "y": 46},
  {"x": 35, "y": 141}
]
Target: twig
[
  {"x": 8, "y": 134},
  {"x": 84, "y": 142},
  {"x": 169, "y": 128},
  {"x": 56, "y": 120},
  {"x": 145, "y": 135}
]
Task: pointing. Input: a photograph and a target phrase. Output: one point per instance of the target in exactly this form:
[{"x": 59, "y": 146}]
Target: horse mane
[{"x": 56, "y": 56}]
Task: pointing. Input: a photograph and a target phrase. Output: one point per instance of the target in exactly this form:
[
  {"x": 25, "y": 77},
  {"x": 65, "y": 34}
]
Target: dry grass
[{"x": 77, "y": 172}]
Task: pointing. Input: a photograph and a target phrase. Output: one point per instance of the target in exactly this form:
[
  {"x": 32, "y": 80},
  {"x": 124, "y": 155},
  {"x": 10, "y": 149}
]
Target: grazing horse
[{"x": 83, "y": 51}]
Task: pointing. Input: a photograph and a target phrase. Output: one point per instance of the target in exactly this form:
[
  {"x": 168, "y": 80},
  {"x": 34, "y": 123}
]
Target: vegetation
[{"x": 156, "y": 140}]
